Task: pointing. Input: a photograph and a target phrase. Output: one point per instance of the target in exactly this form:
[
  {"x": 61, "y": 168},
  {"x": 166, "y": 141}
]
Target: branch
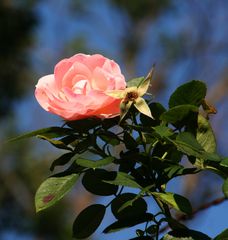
[{"x": 184, "y": 217}]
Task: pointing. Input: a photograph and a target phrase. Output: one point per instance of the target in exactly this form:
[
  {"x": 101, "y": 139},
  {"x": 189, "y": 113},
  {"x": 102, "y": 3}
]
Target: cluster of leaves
[{"x": 139, "y": 152}]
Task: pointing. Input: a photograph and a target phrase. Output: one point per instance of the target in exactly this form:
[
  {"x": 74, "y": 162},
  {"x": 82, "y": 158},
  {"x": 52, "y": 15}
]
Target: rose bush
[{"x": 77, "y": 88}]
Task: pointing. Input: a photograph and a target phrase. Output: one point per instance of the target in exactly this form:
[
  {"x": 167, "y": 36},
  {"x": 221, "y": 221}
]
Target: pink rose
[{"x": 77, "y": 88}]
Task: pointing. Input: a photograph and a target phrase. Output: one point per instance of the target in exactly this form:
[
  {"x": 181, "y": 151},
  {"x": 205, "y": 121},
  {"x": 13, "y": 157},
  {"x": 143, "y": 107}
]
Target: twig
[{"x": 184, "y": 217}]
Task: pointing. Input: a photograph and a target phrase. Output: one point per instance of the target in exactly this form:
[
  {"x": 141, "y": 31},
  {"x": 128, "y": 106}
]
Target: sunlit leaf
[
  {"x": 143, "y": 87},
  {"x": 225, "y": 188},
  {"x": 124, "y": 108},
  {"x": 189, "y": 93},
  {"x": 178, "y": 113},
  {"x": 55, "y": 143},
  {"x": 94, "y": 163},
  {"x": 51, "y": 132},
  {"x": 205, "y": 135},
  {"x": 142, "y": 107},
  {"x": 123, "y": 179},
  {"x": 178, "y": 202},
  {"x": 163, "y": 131},
  {"x": 224, "y": 162},
  {"x": 52, "y": 190}
]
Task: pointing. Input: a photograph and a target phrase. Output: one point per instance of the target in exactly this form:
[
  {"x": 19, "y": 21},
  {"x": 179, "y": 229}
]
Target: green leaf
[
  {"x": 52, "y": 190},
  {"x": 189, "y": 93},
  {"x": 83, "y": 145},
  {"x": 88, "y": 221},
  {"x": 224, "y": 162},
  {"x": 84, "y": 125},
  {"x": 178, "y": 170},
  {"x": 222, "y": 236},
  {"x": 178, "y": 202},
  {"x": 141, "y": 238},
  {"x": 128, "y": 222},
  {"x": 156, "y": 109},
  {"x": 205, "y": 135},
  {"x": 185, "y": 234},
  {"x": 225, "y": 188},
  {"x": 56, "y": 143},
  {"x": 135, "y": 82},
  {"x": 123, "y": 179},
  {"x": 188, "y": 144},
  {"x": 163, "y": 131},
  {"x": 109, "y": 137},
  {"x": 94, "y": 163},
  {"x": 142, "y": 107},
  {"x": 51, "y": 132},
  {"x": 62, "y": 160},
  {"x": 178, "y": 113},
  {"x": 137, "y": 207},
  {"x": 129, "y": 141},
  {"x": 96, "y": 182}
]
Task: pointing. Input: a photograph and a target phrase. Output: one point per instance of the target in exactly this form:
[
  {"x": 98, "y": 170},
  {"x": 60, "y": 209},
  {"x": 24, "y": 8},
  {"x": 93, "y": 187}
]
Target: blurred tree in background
[
  {"x": 186, "y": 40},
  {"x": 16, "y": 25}
]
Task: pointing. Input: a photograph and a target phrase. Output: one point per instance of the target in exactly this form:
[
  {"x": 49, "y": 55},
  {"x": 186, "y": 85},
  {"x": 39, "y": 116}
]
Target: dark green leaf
[
  {"x": 141, "y": 238},
  {"x": 123, "y": 179},
  {"x": 178, "y": 113},
  {"x": 135, "y": 82},
  {"x": 128, "y": 222},
  {"x": 189, "y": 93},
  {"x": 127, "y": 160},
  {"x": 139, "y": 232},
  {"x": 94, "y": 163},
  {"x": 129, "y": 141},
  {"x": 83, "y": 145},
  {"x": 152, "y": 229},
  {"x": 51, "y": 132},
  {"x": 138, "y": 206},
  {"x": 185, "y": 234},
  {"x": 84, "y": 125},
  {"x": 64, "y": 159},
  {"x": 178, "y": 202},
  {"x": 225, "y": 188},
  {"x": 222, "y": 236},
  {"x": 109, "y": 137},
  {"x": 52, "y": 190},
  {"x": 178, "y": 170},
  {"x": 94, "y": 181},
  {"x": 156, "y": 109},
  {"x": 88, "y": 221},
  {"x": 110, "y": 122}
]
